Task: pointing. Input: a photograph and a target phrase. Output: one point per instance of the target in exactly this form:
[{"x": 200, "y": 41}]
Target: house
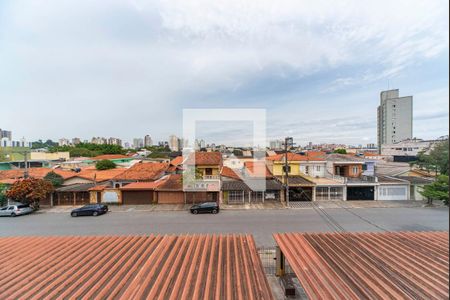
[
  {"x": 392, "y": 188},
  {"x": 140, "y": 192},
  {"x": 141, "y": 172},
  {"x": 417, "y": 184},
  {"x": 170, "y": 191},
  {"x": 357, "y": 174},
  {"x": 206, "y": 186},
  {"x": 92, "y": 175},
  {"x": 250, "y": 186},
  {"x": 301, "y": 168}
]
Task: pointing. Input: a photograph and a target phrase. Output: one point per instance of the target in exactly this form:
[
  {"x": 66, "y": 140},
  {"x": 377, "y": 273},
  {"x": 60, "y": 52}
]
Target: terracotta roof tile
[
  {"x": 39, "y": 173},
  {"x": 144, "y": 172},
  {"x": 177, "y": 161},
  {"x": 99, "y": 176},
  {"x": 309, "y": 156},
  {"x": 230, "y": 173},
  {"x": 152, "y": 185},
  {"x": 174, "y": 182},
  {"x": 385, "y": 265},
  {"x": 206, "y": 158},
  {"x": 133, "y": 267},
  {"x": 260, "y": 170}
]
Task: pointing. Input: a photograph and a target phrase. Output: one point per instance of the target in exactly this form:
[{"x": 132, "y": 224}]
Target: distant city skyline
[{"x": 317, "y": 68}]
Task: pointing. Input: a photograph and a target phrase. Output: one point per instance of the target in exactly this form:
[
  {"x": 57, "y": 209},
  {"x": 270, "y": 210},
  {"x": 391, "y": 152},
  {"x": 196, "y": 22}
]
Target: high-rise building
[
  {"x": 276, "y": 144},
  {"x": 99, "y": 140},
  {"x": 174, "y": 143},
  {"x": 63, "y": 142},
  {"x": 76, "y": 141},
  {"x": 4, "y": 134},
  {"x": 148, "y": 141},
  {"x": 114, "y": 141},
  {"x": 395, "y": 118},
  {"x": 138, "y": 143}
]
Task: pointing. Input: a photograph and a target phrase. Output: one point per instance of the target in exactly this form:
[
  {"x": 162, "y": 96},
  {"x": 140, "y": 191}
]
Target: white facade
[
  {"x": 395, "y": 118},
  {"x": 393, "y": 192},
  {"x": 313, "y": 169},
  {"x": 410, "y": 147}
]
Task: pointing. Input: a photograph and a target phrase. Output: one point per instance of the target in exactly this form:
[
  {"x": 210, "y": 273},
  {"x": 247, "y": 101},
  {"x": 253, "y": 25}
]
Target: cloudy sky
[{"x": 129, "y": 68}]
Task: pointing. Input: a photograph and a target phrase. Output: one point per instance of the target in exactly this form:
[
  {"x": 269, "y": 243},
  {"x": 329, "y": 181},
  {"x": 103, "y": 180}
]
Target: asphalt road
[{"x": 260, "y": 223}]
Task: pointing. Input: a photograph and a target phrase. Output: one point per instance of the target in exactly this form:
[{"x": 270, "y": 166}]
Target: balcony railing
[{"x": 211, "y": 177}]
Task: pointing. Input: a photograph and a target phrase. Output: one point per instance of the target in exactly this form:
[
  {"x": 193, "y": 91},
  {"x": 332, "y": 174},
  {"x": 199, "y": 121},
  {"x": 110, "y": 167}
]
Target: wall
[{"x": 49, "y": 156}]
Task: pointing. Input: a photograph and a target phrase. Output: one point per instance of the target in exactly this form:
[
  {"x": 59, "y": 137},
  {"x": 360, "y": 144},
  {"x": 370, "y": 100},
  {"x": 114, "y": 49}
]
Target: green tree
[
  {"x": 105, "y": 165},
  {"x": 54, "y": 178},
  {"x": 3, "y": 199},
  {"x": 340, "y": 151},
  {"x": 436, "y": 160},
  {"x": 437, "y": 190}
]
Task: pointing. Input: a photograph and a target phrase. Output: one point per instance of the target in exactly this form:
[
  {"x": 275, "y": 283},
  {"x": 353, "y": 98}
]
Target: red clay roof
[
  {"x": 99, "y": 176},
  {"x": 260, "y": 171},
  {"x": 144, "y": 172},
  {"x": 309, "y": 156},
  {"x": 230, "y": 173},
  {"x": 206, "y": 159},
  {"x": 110, "y": 156},
  {"x": 152, "y": 185},
  {"x": 173, "y": 182},
  {"x": 401, "y": 265},
  {"x": 132, "y": 267},
  {"x": 177, "y": 161},
  {"x": 34, "y": 172},
  {"x": 98, "y": 188}
]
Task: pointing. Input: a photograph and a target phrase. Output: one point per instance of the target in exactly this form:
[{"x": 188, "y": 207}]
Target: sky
[{"x": 125, "y": 69}]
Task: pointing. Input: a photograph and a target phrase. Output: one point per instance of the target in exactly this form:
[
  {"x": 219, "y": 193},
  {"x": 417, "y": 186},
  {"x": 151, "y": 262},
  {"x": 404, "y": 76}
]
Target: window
[
  {"x": 355, "y": 170},
  {"x": 208, "y": 171},
  {"x": 318, "y": 168},
  {"x": 322, "y": 193},
  {"x": 235, "y": 197},
  {"x": 307, "y": 170}
]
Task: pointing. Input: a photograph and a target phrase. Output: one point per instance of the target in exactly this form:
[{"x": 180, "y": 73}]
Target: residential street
[{"x": 260, "y": 223}]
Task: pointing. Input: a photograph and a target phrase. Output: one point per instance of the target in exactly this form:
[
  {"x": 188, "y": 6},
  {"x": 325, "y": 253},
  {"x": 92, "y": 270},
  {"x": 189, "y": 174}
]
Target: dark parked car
[
  {"x": 207, "y": 207},
  {"x": 90, "y": 210}
]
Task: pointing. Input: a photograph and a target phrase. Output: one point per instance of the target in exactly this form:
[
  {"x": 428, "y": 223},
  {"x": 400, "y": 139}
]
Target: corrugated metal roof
[
  {"x": 401, "y": 265},
  {"x": 132, "y": 267}
]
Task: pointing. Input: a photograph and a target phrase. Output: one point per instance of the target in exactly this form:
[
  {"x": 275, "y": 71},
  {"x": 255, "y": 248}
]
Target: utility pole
[
  {"x": 286, "y": 169},
  {"x": 26, "y": 173}
]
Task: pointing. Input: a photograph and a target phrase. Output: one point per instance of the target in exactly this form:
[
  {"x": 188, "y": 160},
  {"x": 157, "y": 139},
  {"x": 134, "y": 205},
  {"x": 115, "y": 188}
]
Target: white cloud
[{"x": 141, "y": 62}]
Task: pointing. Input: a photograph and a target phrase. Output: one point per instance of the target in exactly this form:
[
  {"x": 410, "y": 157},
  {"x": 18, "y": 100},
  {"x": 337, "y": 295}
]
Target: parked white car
[{"x": 15, "y": 210}]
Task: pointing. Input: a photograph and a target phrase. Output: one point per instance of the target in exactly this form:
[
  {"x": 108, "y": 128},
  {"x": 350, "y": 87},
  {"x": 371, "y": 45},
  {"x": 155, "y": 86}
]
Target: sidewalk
[
  {"x": 169, "y": 207},
  {"x": 359, "y": 204}
]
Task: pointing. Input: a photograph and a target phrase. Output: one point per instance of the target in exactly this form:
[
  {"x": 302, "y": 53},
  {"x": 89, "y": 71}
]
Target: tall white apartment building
[{"x": 395, "y": 118}]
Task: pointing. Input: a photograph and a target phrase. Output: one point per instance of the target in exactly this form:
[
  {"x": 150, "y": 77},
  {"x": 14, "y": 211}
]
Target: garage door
[
  {"x": 170, "y": 197},
  {"x": 361, "y": 193},
  {"x": 392, "y": 193},
  {"x": 137, "y": 197}
]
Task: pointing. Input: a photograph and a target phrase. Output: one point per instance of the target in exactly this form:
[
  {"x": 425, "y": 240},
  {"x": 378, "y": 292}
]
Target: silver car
[{"x": 15, "y": 210}]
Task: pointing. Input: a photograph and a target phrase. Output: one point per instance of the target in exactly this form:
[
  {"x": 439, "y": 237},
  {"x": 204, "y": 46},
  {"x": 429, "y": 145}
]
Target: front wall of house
[
  {"x": 215, "y": 170},
  {"x": 170, "y": 197},
  {"x": 393, "y": 192},
  {"x": 278, "y": 168},
  {"x": 76, "y": 180},
  {"x": 313, "y": 169}
]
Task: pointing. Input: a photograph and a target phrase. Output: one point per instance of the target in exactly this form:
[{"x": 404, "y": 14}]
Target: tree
[
  {"x": 54, "y": 178},
  {"x": 437, "y": 190},
  {"x": 340, "y": 151},
  {"x": 30, "y": 190},
  {"x": 105, "y": 165},
  {"x": 436, "y": 160},
  {"x": 2, "y": 194}
]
